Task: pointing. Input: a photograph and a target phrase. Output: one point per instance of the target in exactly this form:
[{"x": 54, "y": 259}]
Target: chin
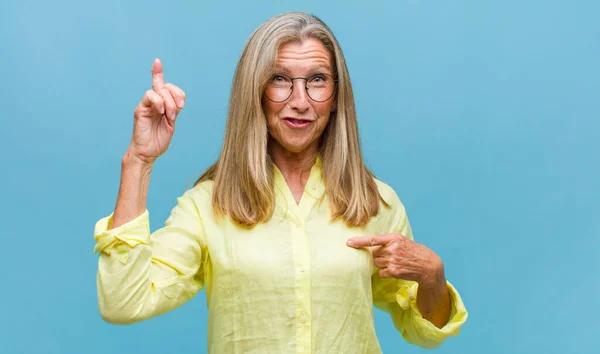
[{"x": 296, "y": 146}]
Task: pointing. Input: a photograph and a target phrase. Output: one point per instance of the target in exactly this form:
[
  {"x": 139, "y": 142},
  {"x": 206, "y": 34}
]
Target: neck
[{"x": 294, "y": 166}]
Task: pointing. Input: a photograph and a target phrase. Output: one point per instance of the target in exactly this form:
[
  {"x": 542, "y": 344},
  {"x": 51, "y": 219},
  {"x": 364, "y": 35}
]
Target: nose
[{"x": 299, "y": 100}]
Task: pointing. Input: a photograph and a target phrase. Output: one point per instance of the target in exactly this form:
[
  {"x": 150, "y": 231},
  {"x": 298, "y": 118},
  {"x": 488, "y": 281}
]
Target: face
[{"x": 296, "y": 124}]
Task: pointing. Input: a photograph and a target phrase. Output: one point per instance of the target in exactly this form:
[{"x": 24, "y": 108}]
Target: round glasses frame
[{"x": 335, "y": 81}]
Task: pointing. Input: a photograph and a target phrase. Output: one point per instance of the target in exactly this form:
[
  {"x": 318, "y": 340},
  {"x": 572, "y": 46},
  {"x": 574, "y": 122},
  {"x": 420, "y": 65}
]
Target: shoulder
[
  {"x": 205, "y": 187},
  {"x": 200, "y": 194},
  {"x": 389, "y": 194},
  {"x": 394, "y": 218}
]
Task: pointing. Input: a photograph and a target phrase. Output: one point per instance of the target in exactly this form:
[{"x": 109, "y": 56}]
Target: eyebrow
[{"x": 312, "y": 69}]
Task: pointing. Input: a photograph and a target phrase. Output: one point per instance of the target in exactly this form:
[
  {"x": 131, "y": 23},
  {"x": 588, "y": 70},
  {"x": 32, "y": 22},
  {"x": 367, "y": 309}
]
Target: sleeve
[
  {"x": 399, "y": 298},
  {"x": 142, "y": 275}
]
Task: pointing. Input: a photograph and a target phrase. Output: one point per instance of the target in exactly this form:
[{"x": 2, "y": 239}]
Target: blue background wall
[{"x": 484, "y": 116}]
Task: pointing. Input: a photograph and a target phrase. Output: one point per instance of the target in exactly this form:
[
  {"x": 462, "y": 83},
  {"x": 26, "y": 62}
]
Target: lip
[{"x": 297, "y": 123}]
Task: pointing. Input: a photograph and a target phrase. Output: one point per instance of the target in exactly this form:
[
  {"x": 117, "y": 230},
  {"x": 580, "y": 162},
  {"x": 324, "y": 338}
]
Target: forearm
[
  {"x": 434, "y": 303},
  {"x": 133, "y": 190}
]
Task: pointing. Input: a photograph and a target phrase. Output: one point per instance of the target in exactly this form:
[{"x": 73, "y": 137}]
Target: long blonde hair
[{"x": 244, "y": 174}]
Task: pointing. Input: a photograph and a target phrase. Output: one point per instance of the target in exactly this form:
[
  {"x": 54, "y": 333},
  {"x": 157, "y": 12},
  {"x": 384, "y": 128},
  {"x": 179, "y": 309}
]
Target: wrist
[
  {"x": 436, "y": 282},
  {"x": 438, "y": 287},
  {"x": 131, "y": 159}
]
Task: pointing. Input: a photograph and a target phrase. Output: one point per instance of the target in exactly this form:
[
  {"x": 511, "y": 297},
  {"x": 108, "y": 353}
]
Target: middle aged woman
[{"x": 292, "y": 236}]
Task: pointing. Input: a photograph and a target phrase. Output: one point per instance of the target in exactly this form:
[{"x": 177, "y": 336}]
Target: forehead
[{"x": 308, "y": 54}]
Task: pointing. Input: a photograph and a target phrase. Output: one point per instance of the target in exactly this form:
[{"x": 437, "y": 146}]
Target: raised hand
[{"x": 154, "y": 117}]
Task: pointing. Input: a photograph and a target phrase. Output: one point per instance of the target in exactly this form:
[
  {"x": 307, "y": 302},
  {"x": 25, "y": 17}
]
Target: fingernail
[
  {"x": 181, "y": 103},
  {"x": 350, "y": 242},
  {"x": 162, "y": 110}
]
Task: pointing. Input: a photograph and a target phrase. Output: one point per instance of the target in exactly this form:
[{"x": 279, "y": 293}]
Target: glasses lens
[
  {"x": 279, "y": 88},
  {"x": 320, "y": 87}
]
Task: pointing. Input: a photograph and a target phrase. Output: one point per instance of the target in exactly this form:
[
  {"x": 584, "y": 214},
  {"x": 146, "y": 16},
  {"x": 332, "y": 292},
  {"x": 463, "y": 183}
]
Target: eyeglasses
[{"x": 319, "y": 87}]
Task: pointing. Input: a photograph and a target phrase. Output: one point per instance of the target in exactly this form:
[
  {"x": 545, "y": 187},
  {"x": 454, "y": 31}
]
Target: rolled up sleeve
[
  {"x": 130, "y": 234},
  {"x": 399, "y": 299},
  {"x": 143, "y": 274}
]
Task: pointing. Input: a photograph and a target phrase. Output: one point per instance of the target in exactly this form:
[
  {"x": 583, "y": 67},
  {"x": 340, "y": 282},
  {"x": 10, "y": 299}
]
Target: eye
[
  {"x": 318, "y": 78},
  {"x": 278, "y": 78}
]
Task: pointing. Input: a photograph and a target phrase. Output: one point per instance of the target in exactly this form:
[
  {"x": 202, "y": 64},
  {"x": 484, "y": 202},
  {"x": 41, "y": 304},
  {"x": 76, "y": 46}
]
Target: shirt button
[
  {"x": 298, "y": 224},
  {"x": 314, "y": 187},
  {"x": 302, "y": 269},
  {"x": 411, "y": 296},
  {"x": 404, "y": 303},
  {"x": 303, "y": 319}
]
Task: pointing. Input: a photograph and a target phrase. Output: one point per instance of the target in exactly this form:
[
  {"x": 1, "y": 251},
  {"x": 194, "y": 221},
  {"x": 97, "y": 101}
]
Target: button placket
[{"x": 301, "y": 253}]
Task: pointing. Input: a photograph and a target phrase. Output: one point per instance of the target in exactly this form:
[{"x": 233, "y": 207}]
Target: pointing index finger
[
  {"x": 158, "y": 78},
  {"x": 369, "y": 241}
]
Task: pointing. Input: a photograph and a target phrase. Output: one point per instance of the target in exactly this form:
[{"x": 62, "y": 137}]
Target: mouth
[{"x": 297, "y": 122}]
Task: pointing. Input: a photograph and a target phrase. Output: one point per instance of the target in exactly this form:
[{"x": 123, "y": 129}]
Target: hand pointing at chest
[{"x": 401, "y": 258}]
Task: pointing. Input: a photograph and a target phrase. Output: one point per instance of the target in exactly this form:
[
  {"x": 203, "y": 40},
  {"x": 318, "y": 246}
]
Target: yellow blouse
[{"x": 291, "y": 285}]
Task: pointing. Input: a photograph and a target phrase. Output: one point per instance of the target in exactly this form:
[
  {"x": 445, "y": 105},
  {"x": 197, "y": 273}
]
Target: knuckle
[
  {"x": 148, "y": 95},
  {"x": 166, "y": 97}
]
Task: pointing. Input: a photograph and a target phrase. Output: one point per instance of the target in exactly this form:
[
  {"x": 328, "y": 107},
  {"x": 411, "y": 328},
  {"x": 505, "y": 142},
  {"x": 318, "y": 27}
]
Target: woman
[{"x": 269, "y": 228}]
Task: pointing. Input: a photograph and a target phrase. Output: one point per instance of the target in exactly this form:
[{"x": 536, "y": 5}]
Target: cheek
[
  {"x": 271, "y": 111},
  {"x": 324, "y": 114},
  {"x": 323, "y": 124}
]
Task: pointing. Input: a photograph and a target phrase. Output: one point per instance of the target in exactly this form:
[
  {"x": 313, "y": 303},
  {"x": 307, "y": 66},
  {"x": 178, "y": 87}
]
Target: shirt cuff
[
  {"x": 407, "y": 299},
  {"x": 132, "y": 233}
]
